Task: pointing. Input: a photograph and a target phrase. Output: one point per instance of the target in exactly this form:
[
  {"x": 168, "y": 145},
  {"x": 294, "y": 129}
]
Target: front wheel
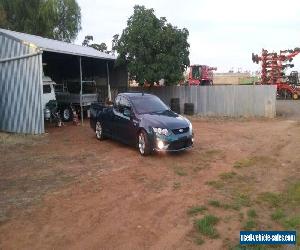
[{"x": 144, "y": 144}]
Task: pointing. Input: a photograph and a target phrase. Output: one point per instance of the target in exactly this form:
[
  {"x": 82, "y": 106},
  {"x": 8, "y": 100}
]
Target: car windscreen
[
  {"x": 148, "y": 104},
  {"x": 196, "y": 72}
]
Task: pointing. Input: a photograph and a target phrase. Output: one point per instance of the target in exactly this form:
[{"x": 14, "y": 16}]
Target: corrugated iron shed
[
  {"x": 21, "y": 69},
  {"x": 58, "y": 46},
  {"x": 20, "y": 87}
]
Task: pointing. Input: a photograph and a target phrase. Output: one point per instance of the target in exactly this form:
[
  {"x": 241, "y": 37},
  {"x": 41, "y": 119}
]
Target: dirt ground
[{"x": 66, "y": 190}]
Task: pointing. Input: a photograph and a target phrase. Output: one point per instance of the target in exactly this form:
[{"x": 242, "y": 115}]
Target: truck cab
[
  {"x": 48, "y": 95},
  {"x": 201, "y": 75}
]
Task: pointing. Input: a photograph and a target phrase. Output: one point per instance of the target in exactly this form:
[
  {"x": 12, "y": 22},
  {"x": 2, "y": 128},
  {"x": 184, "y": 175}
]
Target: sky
[{"x": 222, "y": 33}]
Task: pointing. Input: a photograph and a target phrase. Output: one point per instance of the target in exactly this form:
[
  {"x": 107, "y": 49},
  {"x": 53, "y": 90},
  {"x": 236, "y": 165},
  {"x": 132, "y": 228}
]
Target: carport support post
[
  {"x": 108, "y": 84},
  {"x": 81, "y": 110}
]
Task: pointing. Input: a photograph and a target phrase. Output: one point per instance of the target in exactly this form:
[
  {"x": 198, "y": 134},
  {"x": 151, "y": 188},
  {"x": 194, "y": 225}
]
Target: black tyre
[
  {"x": 176, "y": 109},
  {"x": 286, "y": 94},
  {"x": 175, "y": 105},
  {"x": 99, "y": 131},
  {"x": 175, "y": 101},
  {"x": 189, "y": 108},
  {"x": 66, "y": 114},
  {"x": 295, "y": 96},
  {"x": 143, "y": 142}
]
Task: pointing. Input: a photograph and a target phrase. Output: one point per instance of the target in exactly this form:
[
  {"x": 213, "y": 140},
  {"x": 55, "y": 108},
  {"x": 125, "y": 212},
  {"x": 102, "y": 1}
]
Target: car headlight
[
  {"x": 191, "y": 127},
  {"x": 161, "y": 131}
]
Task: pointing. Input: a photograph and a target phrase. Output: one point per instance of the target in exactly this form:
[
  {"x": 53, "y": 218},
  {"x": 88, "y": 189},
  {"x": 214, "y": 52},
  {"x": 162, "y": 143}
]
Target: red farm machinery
[
  {"x": 273, "y": 67},
  {"x": 200, "y": 75}
]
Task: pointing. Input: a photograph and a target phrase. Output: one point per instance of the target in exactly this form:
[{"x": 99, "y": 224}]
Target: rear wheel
[
  {"x": 67, "y": 114},
  {"x": 284, "y": 94},
  {"x": 287, "y": 94},
  {"x": 144, "y": 144},
  {"x": 99, "y": 131},
  {"x": 295, "y": 96}
]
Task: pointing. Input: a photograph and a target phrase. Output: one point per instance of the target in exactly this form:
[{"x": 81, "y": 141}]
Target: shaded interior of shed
[
  {"x": 65, "y": 67},
  {"x": 62, "y": 67}
]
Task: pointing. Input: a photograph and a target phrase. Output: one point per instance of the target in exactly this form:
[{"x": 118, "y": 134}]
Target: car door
[
  {"x": 115, "y": 119},
  {"x": 125, "y": 126}
]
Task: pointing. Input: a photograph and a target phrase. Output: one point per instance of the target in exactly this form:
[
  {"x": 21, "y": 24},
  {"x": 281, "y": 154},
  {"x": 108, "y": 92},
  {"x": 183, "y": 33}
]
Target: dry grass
[
  {"x": 21, "y": 191},
  {"x": 239, "y": 194},
  {"x": 26, "y": 178},
  {"x": 9, "y": 139},
  {"x": 252, "y": 161},
  {"x": 194, "y": 210},
  {"x": 281, "y": 208}
]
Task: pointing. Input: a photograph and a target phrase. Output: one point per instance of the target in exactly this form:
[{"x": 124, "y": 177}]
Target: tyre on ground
[
  {"x": 189, "y": 108},
  {"x": 143, "y": 143},
  {"x": 99, "y": 131},
  {"x": 66, "y": 114}
]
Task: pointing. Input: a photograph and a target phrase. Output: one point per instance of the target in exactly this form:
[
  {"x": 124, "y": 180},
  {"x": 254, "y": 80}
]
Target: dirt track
[{"x": 68, "y": 190}]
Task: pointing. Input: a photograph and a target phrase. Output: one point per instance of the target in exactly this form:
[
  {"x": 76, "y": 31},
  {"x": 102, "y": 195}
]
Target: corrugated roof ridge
[{"x": 53, "y": 40}]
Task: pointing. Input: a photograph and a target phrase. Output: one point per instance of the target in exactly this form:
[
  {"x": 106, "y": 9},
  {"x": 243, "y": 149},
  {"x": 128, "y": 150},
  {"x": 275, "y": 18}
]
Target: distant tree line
[
  {"x": 101, "y": 47},
  {"x": 57, "y": 19},
  {"x": 150, "y": 47}
]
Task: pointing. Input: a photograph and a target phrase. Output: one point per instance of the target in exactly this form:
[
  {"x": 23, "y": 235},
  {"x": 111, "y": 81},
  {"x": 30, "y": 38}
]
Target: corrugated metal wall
[
  {"x": 20, "y": 88},
  {"x": 232, "y": 101}
]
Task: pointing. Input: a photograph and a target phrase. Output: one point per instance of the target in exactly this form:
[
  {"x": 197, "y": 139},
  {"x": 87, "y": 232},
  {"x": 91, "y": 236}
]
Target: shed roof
[{"x": 51, "y": 45}]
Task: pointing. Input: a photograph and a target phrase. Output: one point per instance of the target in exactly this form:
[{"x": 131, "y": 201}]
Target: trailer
[{"x": 70, "y": 99}]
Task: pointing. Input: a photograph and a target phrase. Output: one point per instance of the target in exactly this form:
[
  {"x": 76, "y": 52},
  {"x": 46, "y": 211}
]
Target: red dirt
[{"x": 106, "y": 196}]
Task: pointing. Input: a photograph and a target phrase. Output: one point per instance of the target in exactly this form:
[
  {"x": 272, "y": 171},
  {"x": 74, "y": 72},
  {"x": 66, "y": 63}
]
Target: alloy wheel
[
  {"x": 98, "y": 130},
  {"x": 66, "y": 114},
  {"x": 142, "y": 143}
]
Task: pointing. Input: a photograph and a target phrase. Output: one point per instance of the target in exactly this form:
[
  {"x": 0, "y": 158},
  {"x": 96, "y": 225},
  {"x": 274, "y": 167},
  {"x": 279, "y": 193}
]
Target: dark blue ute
[{"x": 144, "y": 121}]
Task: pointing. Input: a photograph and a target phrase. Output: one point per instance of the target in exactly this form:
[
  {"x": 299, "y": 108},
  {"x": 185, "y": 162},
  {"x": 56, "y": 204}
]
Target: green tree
[
  {"x": 114, "y": 43},
  {"x": 87, "y": 40},
  {"x": 57, "y": 19},
  {"x": 2, "y": 16},
  {"x": 101, "y": 47},
  {"x": 68, "y": 20},
  {"x": 152, "y": 48}
]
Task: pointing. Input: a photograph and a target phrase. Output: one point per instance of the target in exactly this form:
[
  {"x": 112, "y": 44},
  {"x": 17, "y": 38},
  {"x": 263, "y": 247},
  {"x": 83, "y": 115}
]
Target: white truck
[{"x": 48, "y": 95}]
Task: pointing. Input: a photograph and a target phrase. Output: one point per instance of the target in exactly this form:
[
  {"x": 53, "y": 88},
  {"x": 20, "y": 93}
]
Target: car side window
[
  {"x": 126, "y": 104},
  {"x": 123, "y": 104}
]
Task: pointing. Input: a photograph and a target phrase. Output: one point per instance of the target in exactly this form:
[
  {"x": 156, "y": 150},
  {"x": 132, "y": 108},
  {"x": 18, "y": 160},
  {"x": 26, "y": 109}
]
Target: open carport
[{"x": 25, "y": 58}]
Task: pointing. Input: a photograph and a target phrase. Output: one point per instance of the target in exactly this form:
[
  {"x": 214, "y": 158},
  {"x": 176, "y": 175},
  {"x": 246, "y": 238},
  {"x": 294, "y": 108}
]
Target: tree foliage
[
  {"x": 152, "y": 48},
  {"x": 68, "y": 20},
  {"x": 57, "y": 19},
  {"x": 101, "y": 47},
  {"x": 2, "y": 15},
  {"x": 114, "y": 43}
]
